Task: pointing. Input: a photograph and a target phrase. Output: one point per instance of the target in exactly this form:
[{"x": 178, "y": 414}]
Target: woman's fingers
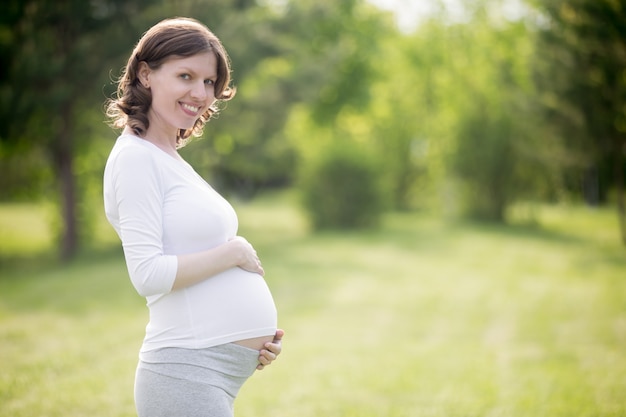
[{"x": 271, "y": 351}]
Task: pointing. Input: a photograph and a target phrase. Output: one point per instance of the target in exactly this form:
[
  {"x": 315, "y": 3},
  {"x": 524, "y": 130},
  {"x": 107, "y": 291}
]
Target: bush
[
  {"x": 341, "y": 189},
  {"x": 487, "y": 161}
]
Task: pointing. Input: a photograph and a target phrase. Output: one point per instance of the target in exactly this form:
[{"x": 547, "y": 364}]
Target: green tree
[
  {"x": 404, "y": 111},
  {"x": 59, "y": 58},
  {"x": 494, "y": 150},
  {"x": 244, "y": 149},
  {"x": 455, "y": 100},
  {"x": 54, "y": 53},
  {"x": 316, "y": 54},
  {"x": 580, "y": 70},
  {"x": 341, "y": 188}
]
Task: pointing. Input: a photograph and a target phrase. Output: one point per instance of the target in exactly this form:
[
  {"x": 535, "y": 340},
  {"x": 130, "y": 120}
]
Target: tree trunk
[
  {"x": 620, "y": 150},
  {"x": 64, "y": 167}
]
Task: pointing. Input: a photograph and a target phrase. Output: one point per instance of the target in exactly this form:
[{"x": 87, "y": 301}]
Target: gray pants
[{"x": 175, "y": 382}]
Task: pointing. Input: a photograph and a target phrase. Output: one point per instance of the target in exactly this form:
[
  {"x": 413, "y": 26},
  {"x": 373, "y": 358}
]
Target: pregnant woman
[{"x": 212, "y": 317}]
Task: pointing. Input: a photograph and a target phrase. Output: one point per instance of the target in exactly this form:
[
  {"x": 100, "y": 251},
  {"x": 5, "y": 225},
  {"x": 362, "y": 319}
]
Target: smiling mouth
[{"x": 190, "y": 108}]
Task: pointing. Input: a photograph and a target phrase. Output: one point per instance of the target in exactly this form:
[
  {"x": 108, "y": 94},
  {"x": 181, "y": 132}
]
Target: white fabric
[{"x": 160, "y": 208}]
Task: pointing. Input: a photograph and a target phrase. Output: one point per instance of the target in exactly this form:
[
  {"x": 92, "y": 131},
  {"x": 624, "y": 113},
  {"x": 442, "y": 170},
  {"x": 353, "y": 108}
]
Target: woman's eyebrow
[{"x": 193, "y": 72}]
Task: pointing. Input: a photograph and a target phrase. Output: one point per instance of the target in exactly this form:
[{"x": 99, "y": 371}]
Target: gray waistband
[{"x": 226, "y": 366}]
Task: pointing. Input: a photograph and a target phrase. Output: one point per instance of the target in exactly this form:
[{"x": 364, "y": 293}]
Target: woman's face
[{"x": 182, "y": 90}]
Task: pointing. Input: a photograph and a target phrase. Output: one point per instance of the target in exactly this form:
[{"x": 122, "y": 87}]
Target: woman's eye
[
  {"x": 209, "y": 82},
  {"x": 185, "y": 76}
]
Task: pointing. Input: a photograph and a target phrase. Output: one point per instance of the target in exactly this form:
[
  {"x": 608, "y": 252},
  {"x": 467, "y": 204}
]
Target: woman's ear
[{"x": 143, "y": 74}]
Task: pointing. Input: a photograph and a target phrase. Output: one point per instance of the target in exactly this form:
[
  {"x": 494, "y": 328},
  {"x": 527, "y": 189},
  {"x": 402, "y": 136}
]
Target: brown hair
[{"x": 178, "y": 37}]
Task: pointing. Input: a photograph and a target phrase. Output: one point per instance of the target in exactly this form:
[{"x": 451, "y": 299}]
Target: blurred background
[
  {"x": 407, "y": 136},
  {"x": 462, "y": 108}
]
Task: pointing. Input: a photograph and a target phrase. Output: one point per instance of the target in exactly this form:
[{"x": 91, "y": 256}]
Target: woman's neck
[{"x": 164, "y": 142}]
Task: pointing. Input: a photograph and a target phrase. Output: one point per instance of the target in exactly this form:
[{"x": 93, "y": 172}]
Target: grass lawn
[{"x": 422, "y": 318}]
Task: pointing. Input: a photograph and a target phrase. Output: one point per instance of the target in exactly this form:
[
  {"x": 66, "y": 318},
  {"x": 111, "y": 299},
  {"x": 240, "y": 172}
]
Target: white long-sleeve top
[{"x": 160, "y": 208}]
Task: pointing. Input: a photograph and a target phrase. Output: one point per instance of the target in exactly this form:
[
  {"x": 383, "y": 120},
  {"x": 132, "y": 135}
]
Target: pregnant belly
[
  {"x": 235, "y": 302},
  {"x": 234, "y": 306}
]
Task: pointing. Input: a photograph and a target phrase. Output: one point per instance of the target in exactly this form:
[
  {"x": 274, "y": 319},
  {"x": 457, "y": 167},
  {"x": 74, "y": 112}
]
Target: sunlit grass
[
  {"x": 421, "y": 318},
  {"x": 24, "y": 228}
]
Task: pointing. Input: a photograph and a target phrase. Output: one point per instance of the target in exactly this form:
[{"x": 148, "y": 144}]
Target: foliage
[
  {"x": 341, "y": 189},
  {"x": 485, "y": 161},
  {"x": 580, "y": 69},
  {"x": 448, "y": 106},
  {"x": 47, "y": 85},
  {"x": 313, "y": 53},
  {"x": 453, "y": 102},
  {"x": 495, "y": 154},
  {"x": 401, "y": 118}
]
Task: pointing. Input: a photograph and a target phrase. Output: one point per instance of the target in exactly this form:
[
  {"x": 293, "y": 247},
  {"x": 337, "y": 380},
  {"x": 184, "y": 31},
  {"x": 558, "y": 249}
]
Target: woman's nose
[{"x": 199, "y": 91}]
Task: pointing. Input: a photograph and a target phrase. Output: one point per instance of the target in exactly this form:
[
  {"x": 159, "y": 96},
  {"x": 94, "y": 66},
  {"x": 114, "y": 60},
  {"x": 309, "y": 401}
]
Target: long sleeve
[{"x": 134, "y": 205}]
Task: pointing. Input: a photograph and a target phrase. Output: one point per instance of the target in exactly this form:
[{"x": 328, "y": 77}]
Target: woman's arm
[
  {"x": 134, "y": 197},
  {"x": 196, "y": 267}
]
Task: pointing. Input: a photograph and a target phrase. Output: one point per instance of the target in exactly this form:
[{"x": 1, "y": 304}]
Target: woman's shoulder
[
  {"x": 130, "y": 150},
  {"x": 130, "y": 142},
  {"x": 130, "y": 161}
]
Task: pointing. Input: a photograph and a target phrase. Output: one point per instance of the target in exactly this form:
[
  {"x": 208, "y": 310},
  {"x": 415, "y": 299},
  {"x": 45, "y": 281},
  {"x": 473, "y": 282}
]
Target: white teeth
[{"x": 191, "y": 108}]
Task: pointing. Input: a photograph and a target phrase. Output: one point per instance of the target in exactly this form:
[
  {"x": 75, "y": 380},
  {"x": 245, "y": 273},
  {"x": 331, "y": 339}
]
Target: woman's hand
[
  {"x": 271, "y": 351},
  {"x": 198, "y": 266},
  {"x": 248, "y": 258}
]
